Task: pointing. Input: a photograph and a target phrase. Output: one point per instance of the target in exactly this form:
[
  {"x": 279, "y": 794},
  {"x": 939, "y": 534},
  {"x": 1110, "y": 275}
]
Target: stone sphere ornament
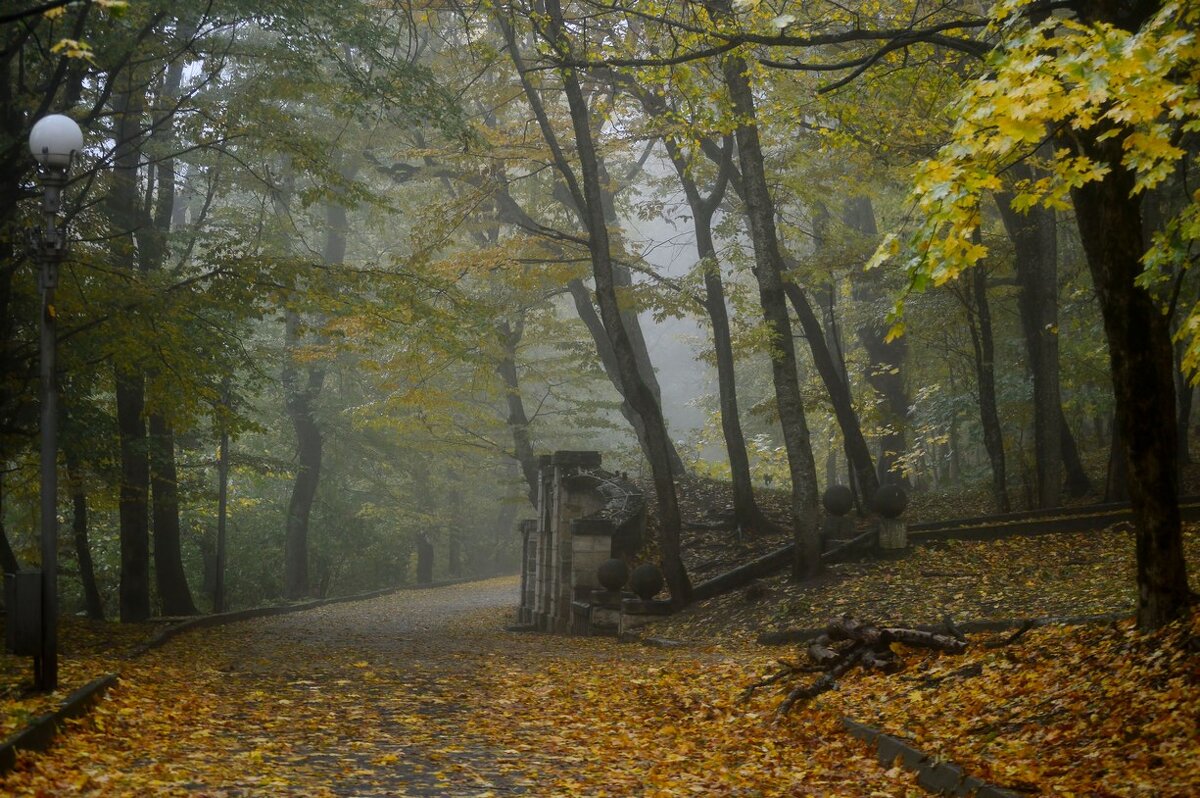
[
  {"x": 838, "y": 499},
  {"x": 612, "y": 574},
  {"x": 646, "y": 580},
  {"x": 890, "y": 501}
]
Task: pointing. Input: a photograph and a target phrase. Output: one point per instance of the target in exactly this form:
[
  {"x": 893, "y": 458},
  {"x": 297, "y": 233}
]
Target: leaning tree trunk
[
  {"x": 582, "y": 298},
  {"x": 518, "y": 422},
  {"x": 769, "y": 268},
  {"x": 857, "y": 451},
  {"x": 589, "y": 197},
  {"x": 1139, "y": 345}
]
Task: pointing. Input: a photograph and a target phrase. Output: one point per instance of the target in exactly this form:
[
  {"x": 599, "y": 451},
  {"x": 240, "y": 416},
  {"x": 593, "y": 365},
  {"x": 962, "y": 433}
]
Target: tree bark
[
  {"x": 218, "y": 559},
  {"x": 857, "y": 451},
  {"x": 518, "y": 422},
  {"x": 168, "y": 555},
  {"x": 8, "y": 559},
  {"x": 1109, "y": 216},
  {"x": 79, "y": 526},
  {"x": 589, "y": 198},
  {"x": 1116, "y": 481},
  {"x": 582, "y": 298},
  {"x": 1183, "y": 393},
  {"x": 747, "y": 514},
  {"x": 133, "y": 501},
  {"x": 885, "y": 359},
  {"x": 572, "y": 196},
  {"x": 980, "y": 319},
  {"x": 1035, "y": 242},
  {"x": 1139, "y": 342},
  {"x": 302, "y": 389},
  {"x": 169, "y": 573},
  {"x": 302, "y": 392},
  {"x": 769, "y": 268}
]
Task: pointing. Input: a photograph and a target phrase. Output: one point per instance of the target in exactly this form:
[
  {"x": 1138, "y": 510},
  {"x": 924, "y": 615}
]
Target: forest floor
[{"x": 422, "y": 693}]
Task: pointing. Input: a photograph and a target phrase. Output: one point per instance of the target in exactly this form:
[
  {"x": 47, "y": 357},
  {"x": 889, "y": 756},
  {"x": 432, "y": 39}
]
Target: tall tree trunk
[
  {"x": 164, "y": 487},
  {"x": 302, "y": 388},
  {"x": 1078, "y": 482},
  {"x": 598, "y": 325},
  {"x": 589, "y": 198},
  {"x": 1139, "y": 343},
  {"x": 980, "y": 318},
  {"x": 1035, "y": 242},
  {"x": 133, "y": 501},
  {"x": 769, "y": 268},
  {"x": 623, "y": 282},
  {"x": 746, "y": 511},
  {"x": 218, "y": 581},
  {"x": 153, "y": 234},
  {"x": 302, "y": 392},
  {"x": 79, "y": 527},
  {"x": 1116, "y": 481},
  {"x": 884, "y": 369}
]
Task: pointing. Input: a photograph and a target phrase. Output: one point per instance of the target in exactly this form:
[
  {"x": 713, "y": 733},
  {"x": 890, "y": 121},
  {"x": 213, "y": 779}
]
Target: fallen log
[
  {"x": 848, "y": 642},
  {"x": 770, "y": 563}
]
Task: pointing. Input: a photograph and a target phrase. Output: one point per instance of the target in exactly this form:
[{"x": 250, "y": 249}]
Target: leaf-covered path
[{"x": 422, "y": 693}]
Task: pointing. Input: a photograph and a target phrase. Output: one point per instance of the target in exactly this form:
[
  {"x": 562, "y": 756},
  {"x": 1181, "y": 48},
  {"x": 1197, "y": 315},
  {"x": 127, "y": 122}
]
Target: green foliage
[{"x": 1054, "y": 80}]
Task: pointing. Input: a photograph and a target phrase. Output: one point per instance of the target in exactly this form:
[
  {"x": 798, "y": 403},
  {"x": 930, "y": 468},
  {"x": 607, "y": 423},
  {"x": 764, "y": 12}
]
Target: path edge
[
  {"x": 934, "y": 775},
  {"x": 220, "y": 619},
  {"x": 41, "y": 731}
]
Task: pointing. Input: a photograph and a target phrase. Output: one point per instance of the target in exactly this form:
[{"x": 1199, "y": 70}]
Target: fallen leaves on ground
[
  {"x": 1085, "y": 573},
  {"x": 87, "y": 651},
  {"x": 422, "y": 694},
  {"x": 628, "y": 722},
  {"x": 1080, "y": 711}
]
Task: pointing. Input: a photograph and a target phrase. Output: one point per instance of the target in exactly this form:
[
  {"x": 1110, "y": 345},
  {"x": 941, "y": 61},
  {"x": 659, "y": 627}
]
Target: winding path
[{"x": 422, "y": 693}]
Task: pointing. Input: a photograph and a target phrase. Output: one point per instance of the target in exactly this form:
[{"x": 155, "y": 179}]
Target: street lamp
[{"x": 54, "y": 141}]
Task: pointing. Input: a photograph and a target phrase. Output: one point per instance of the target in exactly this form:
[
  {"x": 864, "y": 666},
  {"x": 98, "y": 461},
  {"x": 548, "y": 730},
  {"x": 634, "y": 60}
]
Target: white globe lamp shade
[{"x": 54, "y": 140}]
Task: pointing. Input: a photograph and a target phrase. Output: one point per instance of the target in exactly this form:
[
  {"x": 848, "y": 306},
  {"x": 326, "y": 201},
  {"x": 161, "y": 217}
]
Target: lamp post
[{"x": 53, "y": 141}]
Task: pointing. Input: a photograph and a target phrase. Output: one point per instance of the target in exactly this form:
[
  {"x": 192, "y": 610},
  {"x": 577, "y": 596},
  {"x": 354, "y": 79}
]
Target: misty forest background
[{"x": 365, "y": 260}]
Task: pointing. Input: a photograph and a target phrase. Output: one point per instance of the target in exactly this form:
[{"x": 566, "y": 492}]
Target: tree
[
  {"x": 760, "y": 214},
  {"x": 586, "y": 189},
  {"x": 1116, "y": 120}
]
